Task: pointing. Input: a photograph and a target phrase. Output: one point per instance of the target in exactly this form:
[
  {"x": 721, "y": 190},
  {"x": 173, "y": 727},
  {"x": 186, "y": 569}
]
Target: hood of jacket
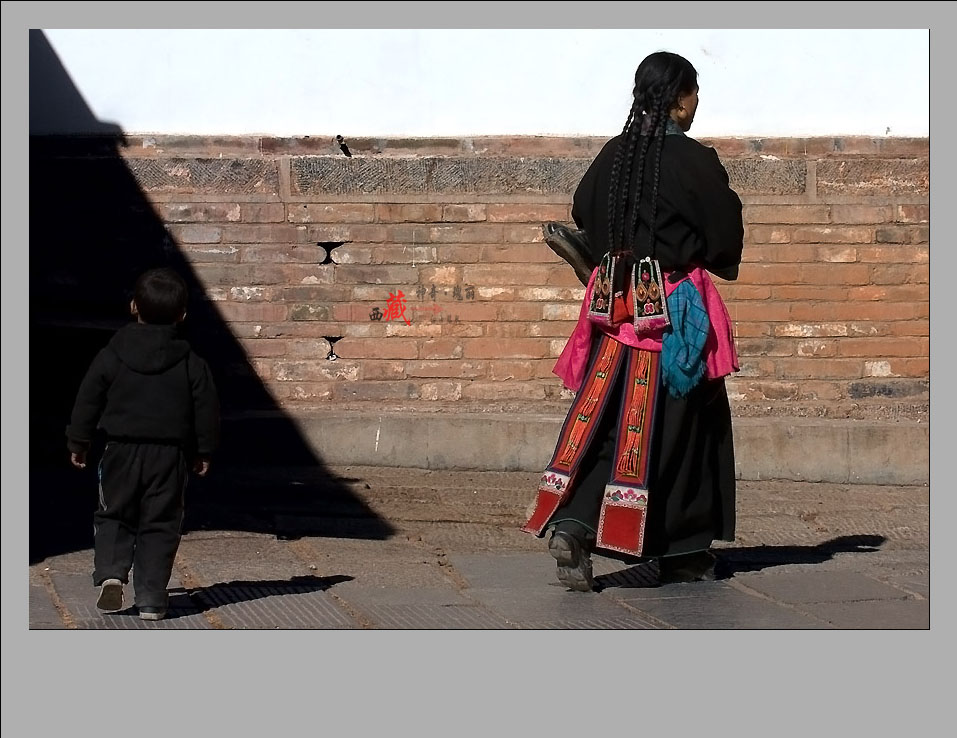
[{"x": 149, "y": 349}]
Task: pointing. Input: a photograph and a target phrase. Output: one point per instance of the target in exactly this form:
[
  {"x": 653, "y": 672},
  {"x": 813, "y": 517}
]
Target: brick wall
[{"x": 298, "y": 245}]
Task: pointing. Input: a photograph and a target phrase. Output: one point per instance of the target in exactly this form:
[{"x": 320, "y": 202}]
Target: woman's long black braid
[{"x": 646, "y": 121}]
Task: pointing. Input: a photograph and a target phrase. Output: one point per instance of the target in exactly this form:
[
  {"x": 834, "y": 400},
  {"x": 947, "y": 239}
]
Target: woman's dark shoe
[
  {"x": 572, "y": 246},
  {"x": 574, "y": 562},
  {"x": 693, "y": 567}
]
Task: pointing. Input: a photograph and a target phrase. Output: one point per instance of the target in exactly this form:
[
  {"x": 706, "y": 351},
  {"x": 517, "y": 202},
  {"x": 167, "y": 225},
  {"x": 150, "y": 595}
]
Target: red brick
[
  {"x": 910, "y": 367},
  {"x": 281, "y": 253},
  {"x": 299, "y": 330},
  {"x": 350, "y": 253},
  {"x": 210, "y": 253},
  {"x": 568, "y": 311},
  {"x": 522, "y": 233},
  {"x": 907, "y": 328},
  {"x": 440, "y": 391},
  {"x": 522, "y": 253},
  {"x": 508, "y": 330},
  {"x": 505, "y": 274},
  {"x": 504, "y": 391},
  {"x": 481, "y": 233},
  {"x": 529, "y": 213},
  {"x": 551, "y": 294},
  {"x": 359, "y": 391},
  {"x": 520, "y": 371},
  {"x": 196, "y": 233},
  {"x": 822, "y": 368},
  {"x": 770, "y": 274},
  {"x": 816, "y": 347},
  {"x": 408, "y": 234},
  {"x": 763, "y": 346},
  {"x": 781, "y": 214},
  {"x": 835, "y": 274},
  {"x": 551, "y": 329},
  {"x": 577, "y": 147},
  {"x": 883, "y": 310},
  {"x": 810, "y": 330},
  {"x": 404, "y": 276},
  {"x": 519, "y": 311},
  {"x": 412, "y": 213},
  {"x": 306, "y": 393},
  {"x": 505, "y": 348},
  {"x": 316, "y": 370},
  {"x": 263, "y": 347},
  {"x": 833, "y": 234},
  {"x": 902, "y": 234},
  {"x": 390, "y": 348},
  {"x": 317, "y": 293},
  {"x": 891, "y": 292},
  {"x": 311, "y": 348},
  {"x": 307, "y": 311},
  {"x": 306, "y": 273},
  {"x": 743, "y": 329},
  {"x": 255, "y": 212},
  {"x": 729, "y": 147},
  {"x": 894, "y": 254},
  {"x": 759, "y": 311},
  {"x": 883, "y": 347},
  {"x": 900, "y": 274},
  {"x": 469, "y": 312},
  {"x": 449, "y": 368},
  {"x": 860, "y": 214},
  {"x": 471, "y": 213},
  {"x": 913, "y": 213},
  {"x": 441, "y": 348},
  {"x": 331, "y": 213},
  {"x": 907, "y": 147},
  {"x": 198, "y": 212},
  {"x": 372, "y": 369},
  {"x": 440, "y": 276},
  {"x": 837, "y": 254},
  {"x": 807, "y": 293},
  {"x": 421, "y": 326},
  {"x": 258, "y": 312},
  {"x": 255, "y": 293},
  {"x": 452, "y": 254},
  {"x": 791, "y": 253},
  {"x": 745, "y": 292},
  {"x": 496, "y": 294},
  {"x": 464, "y": 330},
  {"x": 271, "y": 233},
  {"x": 766, "y": 234},
  {"x": 322, "y": 233}
]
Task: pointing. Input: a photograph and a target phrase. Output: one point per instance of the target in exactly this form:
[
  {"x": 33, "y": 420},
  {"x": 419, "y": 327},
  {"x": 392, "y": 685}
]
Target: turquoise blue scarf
[{"x": 682, "y": 346}]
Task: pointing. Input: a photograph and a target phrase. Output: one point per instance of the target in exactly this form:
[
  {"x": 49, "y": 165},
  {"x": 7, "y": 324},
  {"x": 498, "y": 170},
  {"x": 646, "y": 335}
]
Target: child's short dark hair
[{"x": 160, "y": 296}]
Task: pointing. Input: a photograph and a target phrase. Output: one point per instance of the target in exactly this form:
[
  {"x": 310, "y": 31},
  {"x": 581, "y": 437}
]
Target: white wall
[{"x": 442, "y": 82}]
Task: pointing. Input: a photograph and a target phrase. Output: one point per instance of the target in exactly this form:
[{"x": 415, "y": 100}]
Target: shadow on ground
[
  {"x": 92, "y": 232},
  {"x": 731, "y": 561}
]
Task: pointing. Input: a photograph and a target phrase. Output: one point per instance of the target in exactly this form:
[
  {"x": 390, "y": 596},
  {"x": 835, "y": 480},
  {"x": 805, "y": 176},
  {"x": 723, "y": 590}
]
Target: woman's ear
[{"x": 133, "y": 311}]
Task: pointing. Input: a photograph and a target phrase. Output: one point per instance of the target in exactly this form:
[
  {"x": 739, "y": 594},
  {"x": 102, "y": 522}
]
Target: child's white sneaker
[{"x": 111, "y": 595}]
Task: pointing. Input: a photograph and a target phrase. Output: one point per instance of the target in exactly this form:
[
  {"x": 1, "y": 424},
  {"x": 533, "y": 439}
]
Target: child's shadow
[
  {"x": 184, "y": 602},
  {"x": 731, "y": 561}
]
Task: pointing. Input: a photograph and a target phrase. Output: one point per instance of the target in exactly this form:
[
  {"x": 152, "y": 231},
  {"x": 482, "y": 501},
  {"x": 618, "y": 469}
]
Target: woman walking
[{"x": 644, "y": 464}]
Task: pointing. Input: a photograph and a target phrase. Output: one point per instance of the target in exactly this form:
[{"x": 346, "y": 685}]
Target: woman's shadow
[{"x": 731, "y": 561}]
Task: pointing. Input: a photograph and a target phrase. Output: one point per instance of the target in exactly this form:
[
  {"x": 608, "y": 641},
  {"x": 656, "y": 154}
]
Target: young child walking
[{"x": 155, "y": 402}]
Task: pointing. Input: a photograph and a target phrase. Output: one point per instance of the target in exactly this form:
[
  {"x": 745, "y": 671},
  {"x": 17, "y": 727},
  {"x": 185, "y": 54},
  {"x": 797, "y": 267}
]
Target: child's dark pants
[{"x": 139, "y": 520}]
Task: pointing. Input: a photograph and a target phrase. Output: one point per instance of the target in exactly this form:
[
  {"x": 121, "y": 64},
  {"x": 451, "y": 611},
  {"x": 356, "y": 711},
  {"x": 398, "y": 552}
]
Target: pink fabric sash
[{"x": 721, "y": 356}]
